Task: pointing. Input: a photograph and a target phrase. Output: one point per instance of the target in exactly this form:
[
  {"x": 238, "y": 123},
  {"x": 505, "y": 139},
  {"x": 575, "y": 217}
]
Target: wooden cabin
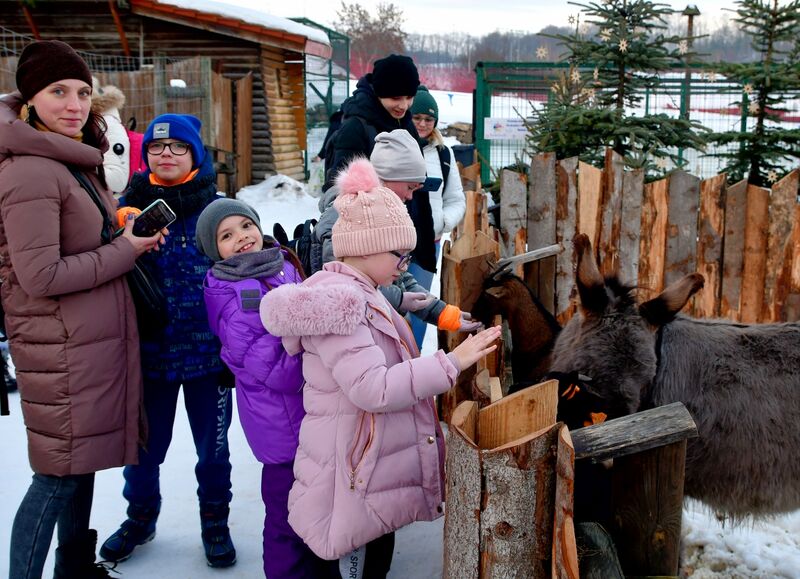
[{"x": 241, "y": 71}]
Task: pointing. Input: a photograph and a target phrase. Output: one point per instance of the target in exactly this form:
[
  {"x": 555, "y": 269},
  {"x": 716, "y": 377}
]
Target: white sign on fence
[{"x": 495, "y": 128}]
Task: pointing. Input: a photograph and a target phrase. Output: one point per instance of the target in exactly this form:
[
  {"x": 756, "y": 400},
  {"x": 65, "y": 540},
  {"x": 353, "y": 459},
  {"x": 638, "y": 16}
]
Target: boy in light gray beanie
[{"x": 397, "y": 157}]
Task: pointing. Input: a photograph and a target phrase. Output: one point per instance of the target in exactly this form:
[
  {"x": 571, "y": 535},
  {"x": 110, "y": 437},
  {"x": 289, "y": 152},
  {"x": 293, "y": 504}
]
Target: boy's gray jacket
[{"x": 393, "y": 293}]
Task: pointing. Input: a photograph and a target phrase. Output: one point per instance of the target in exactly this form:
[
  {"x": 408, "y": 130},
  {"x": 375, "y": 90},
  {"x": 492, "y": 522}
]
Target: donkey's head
[{"x": 612, "y": 339}]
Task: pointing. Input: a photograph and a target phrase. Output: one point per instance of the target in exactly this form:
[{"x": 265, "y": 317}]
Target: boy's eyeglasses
[
  {"x": 177, "y": 148},
  {"x": 405, "y": 258}
]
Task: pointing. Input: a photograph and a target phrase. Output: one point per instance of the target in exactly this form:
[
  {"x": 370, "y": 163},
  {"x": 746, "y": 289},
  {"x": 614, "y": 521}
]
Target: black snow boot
[
  {"x": 138, "y": 529},
  {"x": 75, "y": 559},
  {"x": 217, "y": 542}
]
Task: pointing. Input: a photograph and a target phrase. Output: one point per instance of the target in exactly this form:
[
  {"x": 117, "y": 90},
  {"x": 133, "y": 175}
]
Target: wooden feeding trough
[{"x": 510, "y": 470}]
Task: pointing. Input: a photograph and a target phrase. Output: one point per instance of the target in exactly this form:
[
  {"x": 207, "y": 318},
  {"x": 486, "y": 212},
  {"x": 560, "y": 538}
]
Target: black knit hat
[
  {"x": 48, "y": 61},
  {"x": 395, "y": 76}
]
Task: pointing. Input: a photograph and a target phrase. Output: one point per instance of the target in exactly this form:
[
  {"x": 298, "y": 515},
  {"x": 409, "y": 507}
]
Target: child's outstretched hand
[{"x": 477, "y": 346}]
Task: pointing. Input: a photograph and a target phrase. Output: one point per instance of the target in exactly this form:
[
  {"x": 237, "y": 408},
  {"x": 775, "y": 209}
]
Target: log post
[{"x": 504, "y": 498}]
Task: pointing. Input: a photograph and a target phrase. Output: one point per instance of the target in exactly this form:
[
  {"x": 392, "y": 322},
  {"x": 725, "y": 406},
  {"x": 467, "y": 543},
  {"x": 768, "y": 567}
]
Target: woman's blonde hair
[{"x": 435, "y": 138}]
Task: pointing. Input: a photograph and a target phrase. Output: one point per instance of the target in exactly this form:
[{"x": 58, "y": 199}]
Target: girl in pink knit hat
[{"x": 371, "y": 452}]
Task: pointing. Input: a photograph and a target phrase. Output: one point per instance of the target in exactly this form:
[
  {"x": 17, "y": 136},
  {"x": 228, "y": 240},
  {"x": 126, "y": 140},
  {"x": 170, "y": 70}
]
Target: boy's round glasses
[
  {"x": 177, "y": 148},
  {"x": 405, "y": 258}
]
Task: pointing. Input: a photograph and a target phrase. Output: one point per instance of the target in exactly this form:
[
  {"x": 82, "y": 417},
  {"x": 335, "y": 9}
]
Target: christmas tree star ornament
[
  {"x": 541, "y": 52},
  {"x": 623, "y": 45},
  {"x": 747, "y": 88},
  {"x": 661, "y": 163},
  {"x": 605, "y": 34},
  {"x": 772, "y": 176},
  {"x": 596, "y": 73},
  {"x": 753, "y": 108},
  {"x": 575, "y": 75},
  {"x": 571, "y": 19},
  {"x": 683, "y": 47}
]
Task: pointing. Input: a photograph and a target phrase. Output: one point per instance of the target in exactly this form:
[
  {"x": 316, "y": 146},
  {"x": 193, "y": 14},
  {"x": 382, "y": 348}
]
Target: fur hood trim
[
  {"x": 317, "y": 310},
  {"x": 359, "y": 175},
  {"x": 107, "y": 98}
]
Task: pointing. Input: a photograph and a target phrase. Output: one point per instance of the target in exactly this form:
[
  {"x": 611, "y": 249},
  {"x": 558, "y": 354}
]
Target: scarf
[{"x": 253, "y": 265}]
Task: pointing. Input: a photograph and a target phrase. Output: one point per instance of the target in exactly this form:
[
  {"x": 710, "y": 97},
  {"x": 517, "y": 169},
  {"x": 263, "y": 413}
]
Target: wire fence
[
  {"x": 152, "y": 86},
  {"x": 508, "y": 92}
]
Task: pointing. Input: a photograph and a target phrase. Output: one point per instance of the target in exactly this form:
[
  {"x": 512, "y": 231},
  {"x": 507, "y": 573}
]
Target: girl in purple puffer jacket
[{"x": 269, "y": 382}]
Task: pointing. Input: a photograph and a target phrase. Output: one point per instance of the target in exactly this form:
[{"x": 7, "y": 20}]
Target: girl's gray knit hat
[{"x": 205, "y": 236}]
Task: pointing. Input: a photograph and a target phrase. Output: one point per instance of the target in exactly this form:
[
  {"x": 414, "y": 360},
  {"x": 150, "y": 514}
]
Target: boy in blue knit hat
[{"x": 183, "y": 353}]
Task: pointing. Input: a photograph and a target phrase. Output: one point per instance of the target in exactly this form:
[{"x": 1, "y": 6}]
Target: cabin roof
[{"x": 227, "y": 19}]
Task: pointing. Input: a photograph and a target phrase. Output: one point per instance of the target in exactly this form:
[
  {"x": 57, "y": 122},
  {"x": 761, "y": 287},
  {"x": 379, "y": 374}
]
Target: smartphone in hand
[{"x": 152, "y": 219}]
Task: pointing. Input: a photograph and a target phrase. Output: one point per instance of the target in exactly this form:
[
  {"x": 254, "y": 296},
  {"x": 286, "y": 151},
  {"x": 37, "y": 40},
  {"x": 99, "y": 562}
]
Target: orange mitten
[
  {"x": 450, "y": 319},
  {"x": 122, "y": 214}
]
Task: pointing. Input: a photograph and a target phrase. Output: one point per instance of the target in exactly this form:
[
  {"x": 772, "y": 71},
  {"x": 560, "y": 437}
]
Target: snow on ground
[{"x": 767, "y": 549}]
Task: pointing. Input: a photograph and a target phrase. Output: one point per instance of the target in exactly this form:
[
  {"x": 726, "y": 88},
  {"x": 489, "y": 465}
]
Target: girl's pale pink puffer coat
[{"x": 371, "y": 449}]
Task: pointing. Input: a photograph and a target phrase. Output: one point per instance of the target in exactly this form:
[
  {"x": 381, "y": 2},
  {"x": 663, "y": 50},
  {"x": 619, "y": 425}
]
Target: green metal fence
[
  {"x": 506, "y": 92},
  {"x": 326, "y": 87}
]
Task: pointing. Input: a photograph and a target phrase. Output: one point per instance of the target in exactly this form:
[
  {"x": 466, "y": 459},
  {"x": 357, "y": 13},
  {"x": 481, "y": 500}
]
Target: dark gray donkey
[{"x": 740, "y": 382}]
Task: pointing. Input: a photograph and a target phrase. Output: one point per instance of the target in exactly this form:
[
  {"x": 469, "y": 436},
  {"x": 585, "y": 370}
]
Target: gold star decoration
[
  {"x": 683, "y": 47},
  {"x": 596, "y": 73},
  {"x": 541, "y": 52},
  {"x": 605, "y": 34},
  {"x": 753, "y": 108},
  {"x": 623, "y": 46},
  {"x": 747, "y": 89},
  {"x": 571, "y": 19},
  {"x": 661, "y": 163},
  {"x": 589, "y": 93},
  {"x": 575, "y": 75},
  {"x": 772, "y": 176}
]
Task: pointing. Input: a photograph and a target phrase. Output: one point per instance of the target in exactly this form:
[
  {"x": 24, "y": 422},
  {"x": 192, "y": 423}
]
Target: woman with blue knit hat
[
  {"x": 381, "y": 103},
  {"x": 183, "y": 353},
  {"x": 446, "y": 204}
]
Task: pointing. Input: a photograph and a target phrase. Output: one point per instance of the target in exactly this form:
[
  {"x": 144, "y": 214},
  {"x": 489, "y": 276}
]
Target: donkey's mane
[{"x": 623, "y": 294}]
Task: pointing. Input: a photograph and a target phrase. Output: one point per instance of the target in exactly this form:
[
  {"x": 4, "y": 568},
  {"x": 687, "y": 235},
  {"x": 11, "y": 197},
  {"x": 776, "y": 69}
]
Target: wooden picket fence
[{"x": 744, "y": 239}]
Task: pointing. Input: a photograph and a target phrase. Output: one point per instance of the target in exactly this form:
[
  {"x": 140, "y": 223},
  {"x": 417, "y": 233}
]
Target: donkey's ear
[
  {"x": 663, "y": 308},
  {"x": 591, "y": 286}
]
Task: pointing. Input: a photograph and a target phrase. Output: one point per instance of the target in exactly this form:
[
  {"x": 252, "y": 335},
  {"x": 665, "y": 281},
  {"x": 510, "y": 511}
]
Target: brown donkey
[{"x": 740, "y": 382}]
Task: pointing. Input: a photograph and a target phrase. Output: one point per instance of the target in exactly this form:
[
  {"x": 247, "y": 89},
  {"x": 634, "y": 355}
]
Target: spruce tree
[
  {"x": 768, "y": 150},
  {"x": 625, "y": 45}
]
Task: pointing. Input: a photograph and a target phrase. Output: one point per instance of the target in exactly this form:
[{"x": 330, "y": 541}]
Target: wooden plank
[
  {"x": 471, "y": 222},
  {"x": 590, "y": 201},
  {"x": 532, "y": 255},
  {"x": 521, "y": 413},
  {"x": 783, "y": 200},
  {"x": 652, "y": 251},
  {"x": 462, "y": 516},
  {"x": 681, "y": 251},
  {"x": 631, "y": 225},
  {"x": 634, "y": 433},
  {"x": 542, "y": 226},
  {"x": 790, "y": 275},
  {"x": 733, "y": 256},
  {"x": 565, "y": 549},
  {"x": 755, "y": 253},
  {"x": 566, "y": 229},
  {"x": 611, "y": 215},
  {"x": 648, "y": 503},
  {"x": 513, "y": 209},
  {"x": 709, "y": 245},
  {"x": 495, "y": 389},
  {"x": 244, "y": 135},
  {"x": 465, "y": 417},
  {"x": 516, "y": 528}
]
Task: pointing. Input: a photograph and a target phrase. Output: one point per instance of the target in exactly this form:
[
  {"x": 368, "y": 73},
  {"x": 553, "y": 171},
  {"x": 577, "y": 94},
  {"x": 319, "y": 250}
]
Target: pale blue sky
[{"x": 475, "y": 17}]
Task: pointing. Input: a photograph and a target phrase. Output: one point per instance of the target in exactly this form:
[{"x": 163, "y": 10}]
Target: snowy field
[{"x": 764, "y": 550}]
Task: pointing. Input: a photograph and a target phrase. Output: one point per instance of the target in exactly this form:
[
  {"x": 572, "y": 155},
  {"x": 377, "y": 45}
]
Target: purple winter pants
[{"x": 286, "y": 556}]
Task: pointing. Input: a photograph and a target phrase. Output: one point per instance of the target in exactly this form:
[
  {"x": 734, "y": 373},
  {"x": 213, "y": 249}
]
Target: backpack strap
[{"x": 444, "y": 162}]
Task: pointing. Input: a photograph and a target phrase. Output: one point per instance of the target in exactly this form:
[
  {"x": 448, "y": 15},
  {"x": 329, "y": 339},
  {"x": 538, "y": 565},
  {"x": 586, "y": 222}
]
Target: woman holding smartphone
[
  {"x": 68, "y": 312},
  {"x": 183, "y": 353}
]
